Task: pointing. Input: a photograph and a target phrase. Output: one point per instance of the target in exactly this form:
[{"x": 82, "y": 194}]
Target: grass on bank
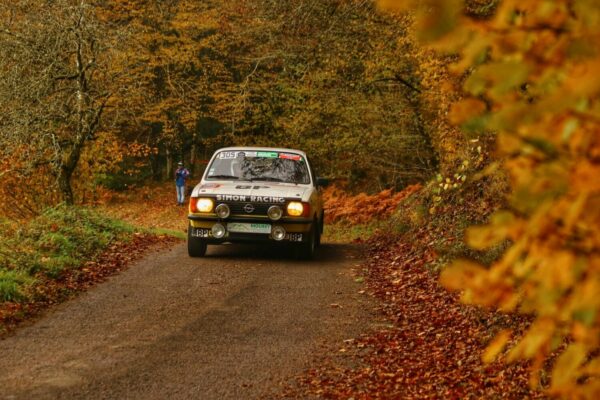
[{"x": 60, "y": 239}]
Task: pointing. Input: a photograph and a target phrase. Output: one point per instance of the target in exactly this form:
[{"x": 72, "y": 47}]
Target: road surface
[{"x": 232, "y": 325}]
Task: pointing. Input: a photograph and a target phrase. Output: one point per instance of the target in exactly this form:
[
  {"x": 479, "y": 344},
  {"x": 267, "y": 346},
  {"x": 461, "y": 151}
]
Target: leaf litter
[{"x": 432, "y": 345}]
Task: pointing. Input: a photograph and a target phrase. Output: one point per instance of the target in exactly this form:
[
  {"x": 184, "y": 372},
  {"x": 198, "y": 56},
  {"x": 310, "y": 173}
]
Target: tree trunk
[
  {"x": 193, "y": 152},
  {"x": 64, "y": 184},
  {"x": 169, "y": 164}
]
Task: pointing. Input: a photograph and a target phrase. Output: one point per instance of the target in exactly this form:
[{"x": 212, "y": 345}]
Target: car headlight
[
  {"x": 204, "y": 205},
  {"x": 295, "y": 208},
  {"x": 278, "y": 233},
  {"x": 223, "y": 211},
  {"x": 275, "y": 213},
  {"x": 218, "y": 231}
]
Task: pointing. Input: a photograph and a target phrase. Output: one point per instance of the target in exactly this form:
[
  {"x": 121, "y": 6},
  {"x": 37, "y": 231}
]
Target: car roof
[{"x": 255, "y": 148}]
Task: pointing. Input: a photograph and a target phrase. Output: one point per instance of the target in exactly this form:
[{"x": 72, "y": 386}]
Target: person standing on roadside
[{"x": 181, "y": 176}]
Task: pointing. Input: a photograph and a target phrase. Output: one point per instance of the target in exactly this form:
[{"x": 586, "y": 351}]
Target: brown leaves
[
  {"x": 537, "y": 71},
  {"x": 362, "y": 208},
  {"x": 151, "y": 206},
  {"x": 50, "y": 291},
  {"x": 433, "y": 345}
]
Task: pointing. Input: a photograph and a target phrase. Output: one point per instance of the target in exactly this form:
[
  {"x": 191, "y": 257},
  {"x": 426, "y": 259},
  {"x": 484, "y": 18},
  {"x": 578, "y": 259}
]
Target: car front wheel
[
  {"x": 196, "y": 246},
  {"x": 306, "y": 250}
]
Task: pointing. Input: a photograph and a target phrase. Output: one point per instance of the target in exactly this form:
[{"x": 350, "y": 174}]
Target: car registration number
[{"x": 245, "y": 227}]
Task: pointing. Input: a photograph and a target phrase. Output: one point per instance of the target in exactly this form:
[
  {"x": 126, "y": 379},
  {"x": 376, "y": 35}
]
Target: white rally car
[{"x": 256, "y": 194}]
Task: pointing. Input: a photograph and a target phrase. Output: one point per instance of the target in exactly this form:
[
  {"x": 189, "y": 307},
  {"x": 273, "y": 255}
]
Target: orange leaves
[
  {"x": 540, "y": 79},
  {"x": 496, "y": 346},
  {"x": 362, "y": 208},
  {"x": 436, "y": 17},
  {"x": 566, "y": 370},
  {"x": 497, "y": 79},
  {"x": 502, "y": 227},
  {"x": 158, "y": 210},
  {"x": 429, "y": 348},
  {"x": 465, "y": 110},
  {"x": 477, "y": 286}
]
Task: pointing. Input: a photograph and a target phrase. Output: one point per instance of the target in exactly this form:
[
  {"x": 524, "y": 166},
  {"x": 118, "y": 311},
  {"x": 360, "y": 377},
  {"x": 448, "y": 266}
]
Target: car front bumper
[{"x": 296, "y": 230}]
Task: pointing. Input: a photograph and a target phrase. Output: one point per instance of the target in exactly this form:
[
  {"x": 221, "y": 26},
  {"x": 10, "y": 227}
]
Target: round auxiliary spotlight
[
  {"x": 275, "y": 213},
  {"x": 218, "y": 231},
  {"x": 223, "y": 211},
  {"x": 278, "y": 233}
]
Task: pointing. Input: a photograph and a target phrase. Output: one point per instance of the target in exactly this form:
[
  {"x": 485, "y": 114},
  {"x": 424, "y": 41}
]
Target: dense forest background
[
  {"x": 112, "y": 93},
  {"x": 489, "y": 107}
]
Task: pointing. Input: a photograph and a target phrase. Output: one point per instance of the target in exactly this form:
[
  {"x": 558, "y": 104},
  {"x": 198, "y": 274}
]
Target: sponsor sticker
[
  {"x": 210, "y": 185},
  {"x": 251, "y": 199},
  {"x": 266, "y": 154},
  {"x": 288, "y": 156}
]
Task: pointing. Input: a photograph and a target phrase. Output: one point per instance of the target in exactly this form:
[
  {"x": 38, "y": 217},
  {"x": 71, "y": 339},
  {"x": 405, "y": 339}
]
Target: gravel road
[{"x": 232, "y": 325}]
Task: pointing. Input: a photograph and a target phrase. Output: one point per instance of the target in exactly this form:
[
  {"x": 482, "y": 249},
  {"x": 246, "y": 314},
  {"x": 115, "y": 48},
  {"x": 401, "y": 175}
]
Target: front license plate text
[{"x": 245, "y": 227}]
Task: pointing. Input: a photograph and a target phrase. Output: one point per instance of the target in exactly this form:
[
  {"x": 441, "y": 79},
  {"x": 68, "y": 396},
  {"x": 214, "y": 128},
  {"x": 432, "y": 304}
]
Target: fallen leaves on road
[
  {"x": 52, "y": 291},
  {"x": 432, "y": 347},
  {"x": 149, "y": 206}
]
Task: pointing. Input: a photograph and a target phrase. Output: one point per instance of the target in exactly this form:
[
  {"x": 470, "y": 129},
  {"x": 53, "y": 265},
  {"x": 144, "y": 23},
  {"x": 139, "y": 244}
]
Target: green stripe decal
[{"x": 267, "y": 154}]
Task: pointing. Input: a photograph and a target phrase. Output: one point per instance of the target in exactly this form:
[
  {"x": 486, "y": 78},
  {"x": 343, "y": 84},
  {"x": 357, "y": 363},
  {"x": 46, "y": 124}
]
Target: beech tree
[
  {"x": 332, "y": 78},
  {"x": 530, "y": 77},
  {"x": 57, "y": 80}
]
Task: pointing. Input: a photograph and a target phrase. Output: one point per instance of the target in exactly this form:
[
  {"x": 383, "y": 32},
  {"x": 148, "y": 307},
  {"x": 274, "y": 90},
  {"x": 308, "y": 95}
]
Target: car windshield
[{"x": 269, "y": 166}]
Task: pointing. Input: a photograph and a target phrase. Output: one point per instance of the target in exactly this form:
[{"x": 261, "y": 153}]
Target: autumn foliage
[
  {"x": 464, "y": 94},
  {"x": 430, "y": 344},
  {"x": 362, "y": 208},
  {"x": 530, "y": 74}
]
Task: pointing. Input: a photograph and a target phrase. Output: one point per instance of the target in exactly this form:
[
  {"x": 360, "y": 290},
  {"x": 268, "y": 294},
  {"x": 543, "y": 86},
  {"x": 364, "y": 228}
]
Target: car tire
[
  {"x": 306, "y": 250},
  {"x": 196, "y": 246},
  {"x": 317, "y": 237}
]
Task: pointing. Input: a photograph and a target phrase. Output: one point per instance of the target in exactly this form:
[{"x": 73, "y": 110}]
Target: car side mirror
[{"x": 322, "y": 182}]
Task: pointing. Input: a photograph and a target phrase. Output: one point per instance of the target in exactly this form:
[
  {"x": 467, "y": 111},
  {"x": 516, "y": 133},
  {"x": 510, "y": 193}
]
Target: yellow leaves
[
  {"x": 458, "y": 274},
  {"x": 396, "y": 5},
  {"x": 496, "y": 346},
  {"x": 583, "y": 78},
  {"x": 476, "y": 285},
  {"x": 587, "y": 12},
  {"x": 566, "y": 370},
  {"x": 497, "y": 78},
  {"x": 536, "y": 63},
  {"x": 482, "y": 237},
  {"x": 435, "y": 18},
  {"x": 466, "y": 109},
  {"x": 586, "y": 177},
  {"x": 536, "y": 339}
]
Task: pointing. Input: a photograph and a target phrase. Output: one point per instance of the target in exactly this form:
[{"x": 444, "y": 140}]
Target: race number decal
[{"x": 227, "y": 155}]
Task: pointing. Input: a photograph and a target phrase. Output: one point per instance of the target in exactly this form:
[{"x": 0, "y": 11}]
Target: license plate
[
  {"x": 244, "y": 227},
  {"x": 201, "y": 233},
  {"x": 295, "y": 237}
]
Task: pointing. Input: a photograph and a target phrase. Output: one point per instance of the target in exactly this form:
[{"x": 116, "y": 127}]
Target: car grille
[{"x": 259, "y": 208}]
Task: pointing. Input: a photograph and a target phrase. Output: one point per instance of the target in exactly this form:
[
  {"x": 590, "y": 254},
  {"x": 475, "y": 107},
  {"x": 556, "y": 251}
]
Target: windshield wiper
[{"x": 222, "y": 177}]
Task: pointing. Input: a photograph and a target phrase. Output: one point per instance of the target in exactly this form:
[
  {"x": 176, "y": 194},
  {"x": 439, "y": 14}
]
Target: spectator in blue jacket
[{"x": 181, "y": 176}]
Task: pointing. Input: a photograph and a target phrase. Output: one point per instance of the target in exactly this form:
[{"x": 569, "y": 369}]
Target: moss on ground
[{"x": 61, "y": 238}]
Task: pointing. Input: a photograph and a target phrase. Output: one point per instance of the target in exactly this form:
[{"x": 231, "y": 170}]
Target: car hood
[{"x": 251, "y": 191}]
